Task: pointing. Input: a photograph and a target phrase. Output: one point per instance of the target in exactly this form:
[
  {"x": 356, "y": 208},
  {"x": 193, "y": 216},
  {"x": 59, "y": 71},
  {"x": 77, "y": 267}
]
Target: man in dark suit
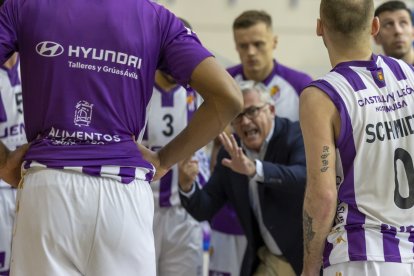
[{"x": 262, "y": 174}]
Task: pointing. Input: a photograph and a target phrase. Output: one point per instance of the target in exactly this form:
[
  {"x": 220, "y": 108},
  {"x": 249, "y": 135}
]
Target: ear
[
  {"x": 275, "y": 41},
  {"x": 375, "y": 26},
  {"x": 412, "y": 32},
  {"x": 319, "y": 27},
  {"x": 272, "y": 109}
]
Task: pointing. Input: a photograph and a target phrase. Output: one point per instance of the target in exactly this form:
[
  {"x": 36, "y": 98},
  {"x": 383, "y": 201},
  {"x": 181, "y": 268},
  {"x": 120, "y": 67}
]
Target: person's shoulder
[
  {"x": 235, "y": 70},
  {"x": 150, "y": 4},
  {"x": 287, "y": 132},
  {"x": 152, "y": 8},
  {"x": 287, "y": 124},
  {"x": 312, "y": 92},
  {"x": 291, "y": 73},
  {"x": 401, "y": 63},
  {"x": 296, "y": 78}
]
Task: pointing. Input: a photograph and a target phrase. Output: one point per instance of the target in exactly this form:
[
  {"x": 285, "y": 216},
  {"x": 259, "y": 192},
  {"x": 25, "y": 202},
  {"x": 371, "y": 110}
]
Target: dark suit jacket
[{"x": 280, "y": 194}]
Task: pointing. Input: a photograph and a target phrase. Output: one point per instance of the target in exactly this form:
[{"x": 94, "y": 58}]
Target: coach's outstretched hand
[
  {"x": 239, "y": 162},
  {"x": 11, "y": 162}
]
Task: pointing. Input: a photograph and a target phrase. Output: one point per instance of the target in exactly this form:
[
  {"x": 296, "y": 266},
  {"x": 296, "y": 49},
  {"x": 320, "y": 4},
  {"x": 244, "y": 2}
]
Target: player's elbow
[{"x": 322, "y": 203}]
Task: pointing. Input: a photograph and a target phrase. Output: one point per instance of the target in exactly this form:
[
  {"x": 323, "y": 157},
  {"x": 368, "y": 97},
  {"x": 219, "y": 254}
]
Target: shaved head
[{"x": 347, "y": 17}]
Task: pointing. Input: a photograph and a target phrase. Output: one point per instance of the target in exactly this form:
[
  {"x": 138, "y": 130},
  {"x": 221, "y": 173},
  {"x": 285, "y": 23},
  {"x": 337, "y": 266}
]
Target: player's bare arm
[
  {"x": 222, "y": 102},
  {"x": 10, "y": 163},
  {"x": 319, "y": 121},
  {"x": 239, "y": 162}
]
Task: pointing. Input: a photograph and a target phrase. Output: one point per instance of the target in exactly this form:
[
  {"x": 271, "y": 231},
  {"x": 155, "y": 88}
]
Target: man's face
[
  {"x": 253, "y": 131},
  {"x": 396, "y": 33},
  {"x": 255, "y": 46}
]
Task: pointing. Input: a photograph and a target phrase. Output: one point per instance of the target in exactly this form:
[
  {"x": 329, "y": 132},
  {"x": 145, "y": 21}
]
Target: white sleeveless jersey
[
  {"x": 375, "y": 153},
  {"x": 12, "y": 132},
  {"x": 169, "y": 114}
]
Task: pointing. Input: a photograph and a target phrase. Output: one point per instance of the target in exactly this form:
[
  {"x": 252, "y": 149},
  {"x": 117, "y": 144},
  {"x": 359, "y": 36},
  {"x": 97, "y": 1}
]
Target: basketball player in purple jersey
[
  {"x": 84, "y": 203},
  {"x": 255, "y": 43},
  {"x": 12, "y": 134},
  {"x": 358, "y": 127}
]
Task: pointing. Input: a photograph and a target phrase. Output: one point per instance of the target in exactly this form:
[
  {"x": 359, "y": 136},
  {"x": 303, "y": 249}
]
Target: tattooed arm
[{"x": 320, "y": 123}]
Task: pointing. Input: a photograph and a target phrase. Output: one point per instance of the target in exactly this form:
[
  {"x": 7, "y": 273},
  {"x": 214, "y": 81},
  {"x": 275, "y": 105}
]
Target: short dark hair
[
  {"x": 250, "y": 18},
  {"x": 348, "y": 17},
  {"x": 392, "y": 6}
]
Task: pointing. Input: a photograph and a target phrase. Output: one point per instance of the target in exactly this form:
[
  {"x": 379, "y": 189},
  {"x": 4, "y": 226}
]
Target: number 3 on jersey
[
  {"x": 169, "y": 130},
  {"x": 406, "y": 159}
]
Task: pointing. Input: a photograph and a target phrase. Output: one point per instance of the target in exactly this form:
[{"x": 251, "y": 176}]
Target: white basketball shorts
[
  {"x": 227, "y": 253},
  {"x": 369, "y": 268},
  {"x": 68, "y": 223},
  {"x": 178, "y": 242},
  {"x": 7, "y": 211}
]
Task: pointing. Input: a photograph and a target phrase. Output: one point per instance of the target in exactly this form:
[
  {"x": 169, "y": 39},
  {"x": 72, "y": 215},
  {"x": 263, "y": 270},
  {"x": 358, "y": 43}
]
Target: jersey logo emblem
[
  {"x": 83, "y": 113},
  {"x": 339, "y": 240},
  {"x": 274, "y": 90},
  {"x": 49, "y": 49},
  {"x": 191, "y": 102},
  {"x": 380, "y": 75}
]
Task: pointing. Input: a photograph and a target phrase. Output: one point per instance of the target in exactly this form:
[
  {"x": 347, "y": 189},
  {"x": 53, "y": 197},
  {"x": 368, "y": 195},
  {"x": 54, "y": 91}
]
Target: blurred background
[{"x": 294, "y": 21}]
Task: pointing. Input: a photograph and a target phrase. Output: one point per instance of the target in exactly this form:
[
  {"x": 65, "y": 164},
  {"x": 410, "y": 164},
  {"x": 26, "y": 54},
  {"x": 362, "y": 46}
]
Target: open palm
[{"x": 238, "y": 161}]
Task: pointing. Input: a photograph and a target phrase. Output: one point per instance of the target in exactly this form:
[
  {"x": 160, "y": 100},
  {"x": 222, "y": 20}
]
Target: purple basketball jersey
[{"x": 87, "y": 75}]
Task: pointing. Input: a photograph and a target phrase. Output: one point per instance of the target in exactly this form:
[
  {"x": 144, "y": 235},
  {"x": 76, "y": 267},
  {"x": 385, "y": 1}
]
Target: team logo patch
[
  {"x": 380, "y": 75},
  {"x": 274, "y": 90},
  {"x": 190, "y": 99},
  {"x": 49, "y": 49},
  {"x": 191, "y": 102},
  {"x": 83, "y": 113},
  {"x": 339, "y": 240}
]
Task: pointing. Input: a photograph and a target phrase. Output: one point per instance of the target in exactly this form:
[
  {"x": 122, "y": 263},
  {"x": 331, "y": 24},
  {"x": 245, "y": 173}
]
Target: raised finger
[
  {"x": 234, "y": 142},
  {"x": 225, "y": 141}
]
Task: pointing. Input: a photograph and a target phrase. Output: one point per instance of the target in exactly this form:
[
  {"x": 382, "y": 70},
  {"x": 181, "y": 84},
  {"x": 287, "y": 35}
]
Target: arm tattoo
[
  {"x": 324, "y": 158},
  {"x": 309, "y": 234}
]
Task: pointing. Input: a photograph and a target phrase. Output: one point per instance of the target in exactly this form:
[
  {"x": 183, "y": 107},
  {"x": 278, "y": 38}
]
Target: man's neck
[
  {"x": 259, "y": 76},
  {"x": 409, "y": 57},
  {"x": 339, "y": 55}
]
